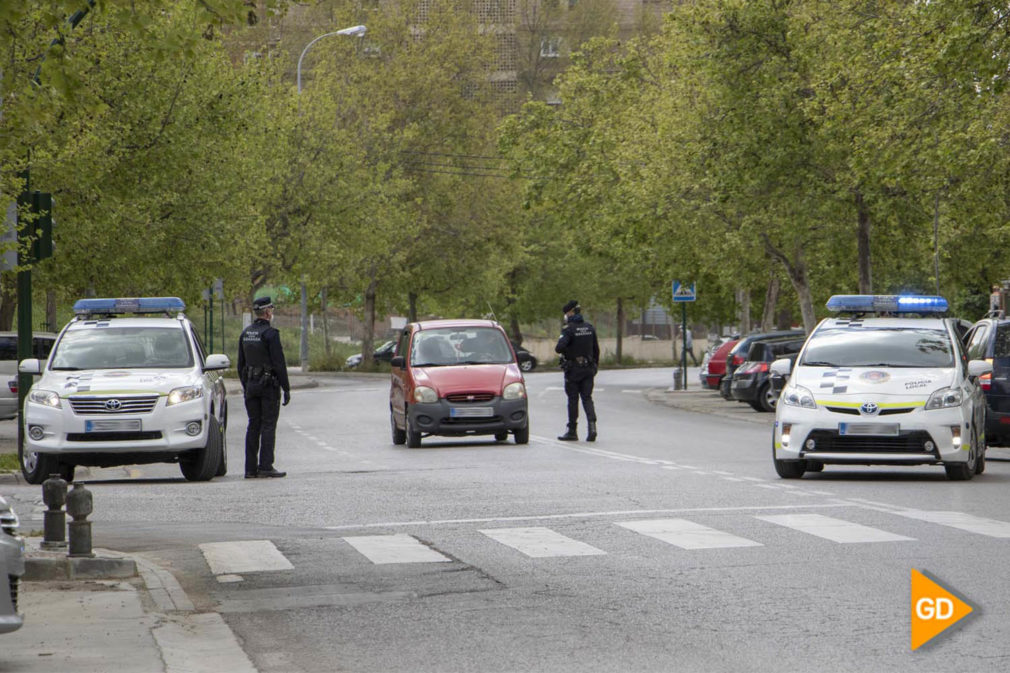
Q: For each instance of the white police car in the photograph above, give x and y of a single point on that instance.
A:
(127, 382)
(880, 386)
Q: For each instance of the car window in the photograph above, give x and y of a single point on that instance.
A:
(452, 346)
(41, 346)
(977, 341)
(199, 344)
(122, 348)
(879, 347)
(1001, 344)
(8, 348)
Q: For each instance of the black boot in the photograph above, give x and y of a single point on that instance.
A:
(591, 437)
(569, 435)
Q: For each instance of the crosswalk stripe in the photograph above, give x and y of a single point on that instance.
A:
(397, 548)
(960, 520)
(246, 556)
(687, 534)
(539, 542)
(832, 529)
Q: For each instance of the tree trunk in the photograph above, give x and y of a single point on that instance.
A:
(412, 307)
(8, 300)
(51, 311)
(771, 301)
(743, 298)
(863, 246)
(368, 340)
(326, 323)
(620, 329)
(517, 335)
(796, 270)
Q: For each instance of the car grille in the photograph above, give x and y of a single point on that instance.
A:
(483, 420)
(851, 411)
(15, 583)
(112, 436)
(107, 404)
(829, 441)
(466, 398)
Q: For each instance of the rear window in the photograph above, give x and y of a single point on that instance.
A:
(123, 348)
(1001, 344)
(879, 347)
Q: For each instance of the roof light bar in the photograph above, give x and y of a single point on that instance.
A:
(886, 303)
(86, 307)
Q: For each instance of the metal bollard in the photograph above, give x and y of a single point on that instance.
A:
(54, 528)
(678, 378)
(79, 506)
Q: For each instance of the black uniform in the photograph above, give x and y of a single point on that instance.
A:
(264, 375)
(581, 356)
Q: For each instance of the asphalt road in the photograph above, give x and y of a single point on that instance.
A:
(667, 545)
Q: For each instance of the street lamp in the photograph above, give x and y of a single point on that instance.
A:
(304, 350)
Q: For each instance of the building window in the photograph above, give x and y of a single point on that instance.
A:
(550, 47)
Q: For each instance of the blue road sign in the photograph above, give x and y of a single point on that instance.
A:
(682, 292)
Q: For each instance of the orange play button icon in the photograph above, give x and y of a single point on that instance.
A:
(934, 609)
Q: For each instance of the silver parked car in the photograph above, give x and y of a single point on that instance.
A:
(12, 567)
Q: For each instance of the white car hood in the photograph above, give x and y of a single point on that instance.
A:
(897, 383)
(116, 381)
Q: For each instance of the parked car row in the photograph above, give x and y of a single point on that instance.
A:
(738, 367)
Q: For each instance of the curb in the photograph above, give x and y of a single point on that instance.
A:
(708, 402)
(42, 565)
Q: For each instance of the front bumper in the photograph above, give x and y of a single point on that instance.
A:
(923, 437)
(745, 388)
(452, 419)
(163, 430)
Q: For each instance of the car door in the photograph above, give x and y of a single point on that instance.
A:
(398, 380)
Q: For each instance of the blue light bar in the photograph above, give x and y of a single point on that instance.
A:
(886, 303)
(120, 305)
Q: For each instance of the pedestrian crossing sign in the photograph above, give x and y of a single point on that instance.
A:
(683, 292)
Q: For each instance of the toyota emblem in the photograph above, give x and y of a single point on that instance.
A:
(113, 405)
(869, 408)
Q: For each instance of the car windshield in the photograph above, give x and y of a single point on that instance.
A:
(879, 347)
(454, 346)
(123, 348)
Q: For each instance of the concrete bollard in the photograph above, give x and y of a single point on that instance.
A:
(678, 378)
(54, 527)
(79, 506)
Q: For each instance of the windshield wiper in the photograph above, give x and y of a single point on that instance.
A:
(820, 364)
(66, 369)
(429, 364)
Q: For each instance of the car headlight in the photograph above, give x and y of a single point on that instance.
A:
(944, 398)
(184, 394)
(514, 391)
(46, 398)
(425, 395)
(798, 396)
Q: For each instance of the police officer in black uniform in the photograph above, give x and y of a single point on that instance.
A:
(264, 377)
(580, 356)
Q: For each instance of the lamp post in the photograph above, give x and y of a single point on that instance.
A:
(304, 350)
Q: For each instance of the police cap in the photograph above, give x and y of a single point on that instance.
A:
(570, 306)
(261, 303)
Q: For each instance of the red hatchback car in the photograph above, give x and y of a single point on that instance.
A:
(456, 378)
(716, 368)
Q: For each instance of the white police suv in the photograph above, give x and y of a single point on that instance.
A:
(127, 382)
(886, 383)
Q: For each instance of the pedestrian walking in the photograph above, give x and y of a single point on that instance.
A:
(995, 298)
(689, 347)
(264, 377)
(580, 358)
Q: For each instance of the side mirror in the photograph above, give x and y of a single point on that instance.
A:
(399, 362)
(976, 368)
(216, 361)
(782, 367)
(30, 366)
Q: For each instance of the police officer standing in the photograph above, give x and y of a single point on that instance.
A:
(580, 356)
(264, 376)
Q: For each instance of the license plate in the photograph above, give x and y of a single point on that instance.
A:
(875, 429)
(129, 425)
(471, 412)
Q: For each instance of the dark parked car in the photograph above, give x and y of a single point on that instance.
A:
(383, 353)
(738, 355)
(989, 339)
(527, 362)
(751, 382)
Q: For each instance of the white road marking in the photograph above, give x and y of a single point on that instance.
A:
(829, 528)
(230, 579)
(961, 521)
(737, 479)
(582, 515)
(541, 542)
(632, 392)
(687, 534)
(397, 548)
(247, 556)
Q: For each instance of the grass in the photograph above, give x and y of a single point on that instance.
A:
(9, 462)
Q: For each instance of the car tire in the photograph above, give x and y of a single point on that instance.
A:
(413, 436)
(501, 436)
(962, 471)
(527, 365)
(790, 469)
(756, 406)
(767, 398)
(725, 388)
(399, 436)
(980, 443)
(522, 435)
(201, 464)
(222, 468)
(37, 467)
